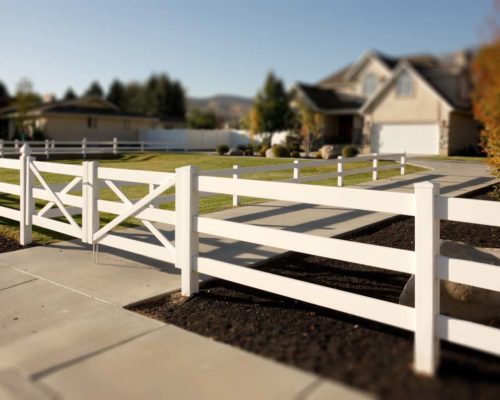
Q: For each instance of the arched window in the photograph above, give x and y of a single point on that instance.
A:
(369, 84)
(404, 85)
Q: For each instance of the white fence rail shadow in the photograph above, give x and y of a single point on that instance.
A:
(426, 205)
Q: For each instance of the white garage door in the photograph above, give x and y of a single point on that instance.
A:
(414, 138)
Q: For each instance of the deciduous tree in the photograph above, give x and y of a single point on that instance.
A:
(486, 99)
(202, 119)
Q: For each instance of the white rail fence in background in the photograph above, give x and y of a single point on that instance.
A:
(84, 147)
(425, 262)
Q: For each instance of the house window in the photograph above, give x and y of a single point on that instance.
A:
(92, 123)
(369, 84)
(404, 85)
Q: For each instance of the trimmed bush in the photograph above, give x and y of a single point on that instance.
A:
(242, 147)
(295, 154)
(349, 151)
(280, 151)
(248, 152)
(222, 149)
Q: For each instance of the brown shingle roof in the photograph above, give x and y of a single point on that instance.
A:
(329, 99)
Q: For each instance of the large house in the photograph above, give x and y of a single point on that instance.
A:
(89, 117)
(419, 104)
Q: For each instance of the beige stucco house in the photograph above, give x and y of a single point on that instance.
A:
(90, 117)
(418, 104)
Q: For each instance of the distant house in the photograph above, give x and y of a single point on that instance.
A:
(90, 117)
(419, 104)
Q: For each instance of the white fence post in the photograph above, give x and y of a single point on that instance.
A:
(340, 170)
(26, 202)
(375, 167)
(236, 201)
(84, 147)
(186, 236)
(115, 146)
(426, 278)
(16, 146)
(53, 145)
(296, 169)
(47, 148)
(403, 163)
(142, 145)
(1, 148)
(90, 194)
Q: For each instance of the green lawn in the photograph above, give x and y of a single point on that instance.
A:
(168, 163)
(454, 158)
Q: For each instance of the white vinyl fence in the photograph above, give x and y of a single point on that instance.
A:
(426, 205)
(48, 148)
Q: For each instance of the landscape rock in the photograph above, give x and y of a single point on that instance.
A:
(269, 153)
(327, 152)
(459, 300)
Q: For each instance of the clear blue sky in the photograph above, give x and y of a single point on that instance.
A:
(219, 46)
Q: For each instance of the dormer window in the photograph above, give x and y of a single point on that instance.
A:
(369, 84)
(404, 85)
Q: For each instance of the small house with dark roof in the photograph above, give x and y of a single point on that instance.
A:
(420, 104)
(89, 117)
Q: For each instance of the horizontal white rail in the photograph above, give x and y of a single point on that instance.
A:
(10, 213)
(362, 306)
(466, 210)
(372, 200)
(472, 273)
(470, 334)
(359, 253)
(131, 175)
(139, 247)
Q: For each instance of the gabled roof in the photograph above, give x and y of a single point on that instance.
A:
(403, 66)
(328, 100)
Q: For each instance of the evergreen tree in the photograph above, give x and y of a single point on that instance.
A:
(135, 98)
(178, 109)
(69, 95)
(272, 106)
(94, 90)
(4, 92)
(117, 94)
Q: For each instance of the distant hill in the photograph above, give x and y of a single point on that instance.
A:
(227, 107)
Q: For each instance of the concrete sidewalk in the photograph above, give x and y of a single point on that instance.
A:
(59, 344)
(64, 334)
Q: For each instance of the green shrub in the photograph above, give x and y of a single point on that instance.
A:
(280, 151)
(222, 149)
(295, 154)
(256, 147)
(349, 151)
(262, 151)
(318, 154)
(248, 152)
(242, 147)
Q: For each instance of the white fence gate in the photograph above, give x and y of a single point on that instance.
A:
(425, 262)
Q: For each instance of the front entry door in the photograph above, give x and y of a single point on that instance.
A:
(345, 128)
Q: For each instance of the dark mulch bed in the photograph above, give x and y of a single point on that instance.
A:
(361, 353)
(7, 244)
